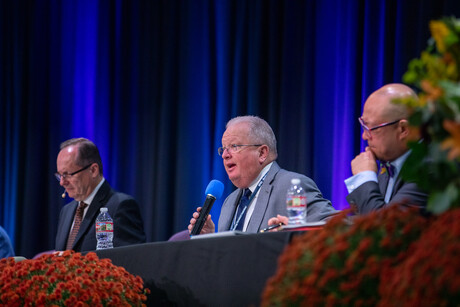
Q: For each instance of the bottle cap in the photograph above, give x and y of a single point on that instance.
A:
(103, 209)
(295, 181)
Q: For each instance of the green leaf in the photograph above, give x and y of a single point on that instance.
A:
(438, 202)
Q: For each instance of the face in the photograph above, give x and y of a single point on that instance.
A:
(386, 142)
(244, 166)
(80, 185)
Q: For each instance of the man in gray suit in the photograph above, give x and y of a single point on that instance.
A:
(249, 153)
(79, 171)
(387, 131)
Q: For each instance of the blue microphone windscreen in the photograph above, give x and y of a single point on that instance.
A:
(215, 188)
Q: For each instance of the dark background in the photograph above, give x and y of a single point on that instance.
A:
(153, 83)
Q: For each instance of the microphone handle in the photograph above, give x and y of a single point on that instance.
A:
(203, 215)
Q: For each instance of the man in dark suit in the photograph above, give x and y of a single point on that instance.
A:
(387, 131)
(249, 153)
(79, 171)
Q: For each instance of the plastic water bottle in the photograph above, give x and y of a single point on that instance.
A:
(296, 203)
(104, 230)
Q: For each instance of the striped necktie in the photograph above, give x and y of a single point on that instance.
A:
(76, 224)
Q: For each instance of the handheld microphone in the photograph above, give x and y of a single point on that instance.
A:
(213, 191)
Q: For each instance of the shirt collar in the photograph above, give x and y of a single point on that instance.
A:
(90, 198)
(265, 170)
(398, 163)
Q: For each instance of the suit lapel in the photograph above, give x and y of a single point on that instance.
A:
(383, 182)
(398, 183)
(100, 199)
(263, 199)
(68, 217)
(229, 211)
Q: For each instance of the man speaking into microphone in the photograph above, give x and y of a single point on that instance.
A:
(79, 171)
(249, 152)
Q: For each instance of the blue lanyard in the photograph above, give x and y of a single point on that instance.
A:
(234, 223)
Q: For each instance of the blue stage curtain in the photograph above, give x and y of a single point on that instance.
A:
(153, 83)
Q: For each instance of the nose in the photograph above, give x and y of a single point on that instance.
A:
(62, 182)
(225, 154)
(366, 135)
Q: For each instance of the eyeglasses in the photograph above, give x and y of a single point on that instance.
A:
(368, 130)
(233, 148)
(67, 176)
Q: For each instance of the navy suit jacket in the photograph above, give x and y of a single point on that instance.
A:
(370, 195)
(272, 201)
(127, 221)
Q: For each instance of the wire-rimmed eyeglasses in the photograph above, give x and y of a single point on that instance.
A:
(67, 176)
(369, 130)
(233, 148)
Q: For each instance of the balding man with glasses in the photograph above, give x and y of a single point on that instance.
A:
(79, 172)
(386, 129)
(248, 153)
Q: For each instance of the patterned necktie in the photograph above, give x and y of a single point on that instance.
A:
(76, 225)
(240, 214)
(390, 169)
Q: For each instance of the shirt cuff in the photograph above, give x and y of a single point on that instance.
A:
(355, 181)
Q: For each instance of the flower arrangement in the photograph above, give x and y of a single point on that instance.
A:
(68, 279)
(394, 257)
(429, 276)
(340, 265)
(437, 113)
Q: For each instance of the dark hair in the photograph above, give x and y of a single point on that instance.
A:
(87, 152)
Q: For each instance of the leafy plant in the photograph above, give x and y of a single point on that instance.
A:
(435, 162)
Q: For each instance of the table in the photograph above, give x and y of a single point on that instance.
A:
(216, 271)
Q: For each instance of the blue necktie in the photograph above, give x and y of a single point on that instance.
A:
(240, 215)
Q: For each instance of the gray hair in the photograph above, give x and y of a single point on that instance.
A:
(260, 131)
(87, 152)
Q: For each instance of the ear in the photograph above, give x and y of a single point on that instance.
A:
(405, 129)
(263, 153)
(94, 170)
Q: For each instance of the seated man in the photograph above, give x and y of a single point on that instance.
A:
(249, 153)
(79, 171)
(387, 131)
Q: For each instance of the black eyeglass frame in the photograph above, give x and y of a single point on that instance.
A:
(65, 176)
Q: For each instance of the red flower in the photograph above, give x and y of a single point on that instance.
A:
(341, 264)
(68, 279)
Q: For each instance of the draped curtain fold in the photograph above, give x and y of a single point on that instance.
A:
(153, 83)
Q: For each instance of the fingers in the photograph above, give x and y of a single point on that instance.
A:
(283, 219)
(273, 221)
(195, 216)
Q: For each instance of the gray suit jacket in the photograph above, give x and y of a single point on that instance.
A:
(127, 221)
(272, 201)
(370, 196)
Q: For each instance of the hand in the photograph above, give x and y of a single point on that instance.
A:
(365, 161)
(276, 220)
(208, 226)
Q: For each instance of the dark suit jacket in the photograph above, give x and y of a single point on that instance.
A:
(127, 221)
(371, 195)
(272, 201)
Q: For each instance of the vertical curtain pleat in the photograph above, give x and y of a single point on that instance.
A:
(153, 83)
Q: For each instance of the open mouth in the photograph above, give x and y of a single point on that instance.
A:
(230, 166)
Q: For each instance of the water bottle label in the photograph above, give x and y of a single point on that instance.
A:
(297, 201)
(104, 226)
